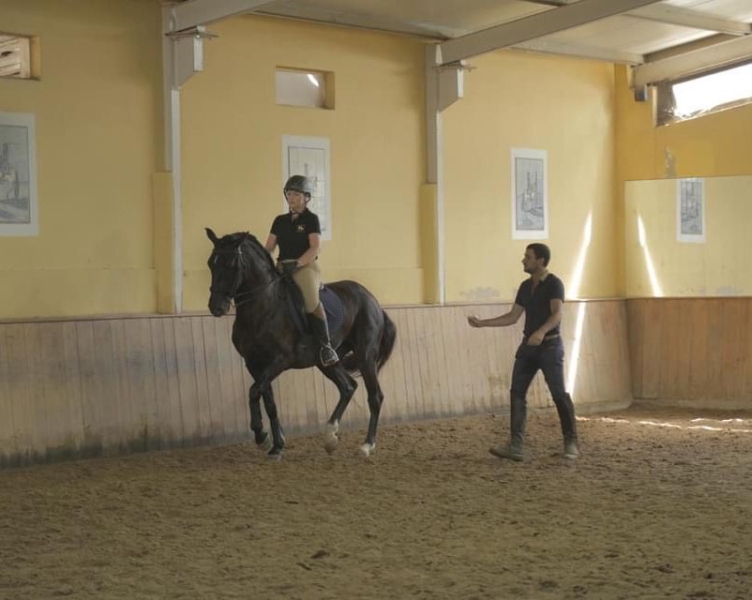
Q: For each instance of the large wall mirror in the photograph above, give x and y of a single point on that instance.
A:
(688, 237)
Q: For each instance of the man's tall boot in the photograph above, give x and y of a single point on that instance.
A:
(327, 355)
(518, 416)
(565, 408)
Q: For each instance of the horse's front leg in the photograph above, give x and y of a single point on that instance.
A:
(263, 440)
(262, 387)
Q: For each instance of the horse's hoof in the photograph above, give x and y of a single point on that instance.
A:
(331, 443)
(367, 449)
(274, 455)
(266, 443)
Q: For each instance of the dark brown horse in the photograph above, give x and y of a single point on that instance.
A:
(266, 336)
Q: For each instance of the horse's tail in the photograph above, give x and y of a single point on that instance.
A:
(386, 345)
(388, 337)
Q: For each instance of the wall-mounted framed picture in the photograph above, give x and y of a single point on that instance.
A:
(690, 210)
(310, 156)
(529, 194)
(19, 209)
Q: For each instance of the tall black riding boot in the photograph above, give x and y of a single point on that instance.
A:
(327, 355)
(565, 408)
(518, 416)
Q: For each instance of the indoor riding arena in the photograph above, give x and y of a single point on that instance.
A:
(441, 139)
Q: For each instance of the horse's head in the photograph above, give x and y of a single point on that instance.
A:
(237, 260)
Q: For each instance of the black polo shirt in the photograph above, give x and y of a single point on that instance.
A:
(292, 236)
(537, 304)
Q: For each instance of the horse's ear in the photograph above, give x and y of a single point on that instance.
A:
(212, 236)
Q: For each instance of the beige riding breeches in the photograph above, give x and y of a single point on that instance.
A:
(308, 279)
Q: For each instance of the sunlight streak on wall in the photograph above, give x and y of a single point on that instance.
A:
(579, 269)
(575, 293)
(654, 283)
(574, 359)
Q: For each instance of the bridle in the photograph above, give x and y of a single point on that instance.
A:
(239, 263)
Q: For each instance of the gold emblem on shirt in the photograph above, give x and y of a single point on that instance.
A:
(301, 228)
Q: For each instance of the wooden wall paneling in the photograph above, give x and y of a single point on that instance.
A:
(56, 387)
(71, 388)
(410, 365)
(41, 433)
(652, 350)
(735, 329)
(497, 367)
(203, 404)
(9, 381)
(167, 435)
(142, 397)
(398, 401)
(98, 405)
(747, 393)
(126, 426)
(698, 357)
(434, 321)
(466, 337)
(591, 363)
(398, 367)
(187, 379)
(716, 339)
(220, 424)
(179, 420)
(635, 343)
(29, 439)
(671, 323)
(455, 330)
(622, 359)
(425, 381)
(230, 393)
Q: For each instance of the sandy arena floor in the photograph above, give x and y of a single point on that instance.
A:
(649, 511)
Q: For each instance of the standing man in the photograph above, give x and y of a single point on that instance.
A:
(541, 298)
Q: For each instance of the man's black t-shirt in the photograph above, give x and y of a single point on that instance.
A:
(537, 303)
(292, 236)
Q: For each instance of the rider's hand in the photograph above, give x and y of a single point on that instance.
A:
(288, 267)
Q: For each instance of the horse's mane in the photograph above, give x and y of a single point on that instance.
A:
(249, 243)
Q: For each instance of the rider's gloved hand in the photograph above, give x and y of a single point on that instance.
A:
(287, 267)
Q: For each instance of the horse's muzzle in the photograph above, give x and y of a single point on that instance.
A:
(219, 308)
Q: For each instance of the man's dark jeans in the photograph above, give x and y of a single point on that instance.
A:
(549, 358)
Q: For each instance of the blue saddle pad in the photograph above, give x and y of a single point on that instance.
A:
(335, 312)
(333, 308)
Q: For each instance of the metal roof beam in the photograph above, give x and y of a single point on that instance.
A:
(200, 12)
(535, 26)
(693, 62)
(675, 15)
(586, 52)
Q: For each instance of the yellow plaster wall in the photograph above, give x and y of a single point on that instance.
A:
(659, 265)
(232, 148)
(715, 145)
(98, 138)
(515, 99)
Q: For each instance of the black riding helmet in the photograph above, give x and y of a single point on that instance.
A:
(299, 183)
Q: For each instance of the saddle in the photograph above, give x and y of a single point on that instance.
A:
(335, 313)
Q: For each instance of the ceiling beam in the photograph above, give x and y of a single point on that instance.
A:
(535, 26)
(691, 63)
(675, 15)
(200, 12)
(586, 52)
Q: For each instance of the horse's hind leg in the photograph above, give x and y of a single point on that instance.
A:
(346, 386)
(375, 398)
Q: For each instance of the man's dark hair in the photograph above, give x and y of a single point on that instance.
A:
(541, 251)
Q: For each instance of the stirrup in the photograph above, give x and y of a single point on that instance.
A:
(328, 356)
